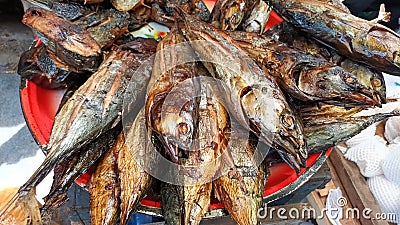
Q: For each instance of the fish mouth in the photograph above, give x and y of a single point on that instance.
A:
(295, 147)
(172, 149)
(173, 146)
(371, 99)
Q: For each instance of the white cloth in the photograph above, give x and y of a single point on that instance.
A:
(368, 155)
(387, 195)
(391, 167)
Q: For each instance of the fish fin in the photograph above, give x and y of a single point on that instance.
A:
(31, 206)
(23, 201)
(383, 16)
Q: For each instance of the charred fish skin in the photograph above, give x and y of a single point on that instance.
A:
(105, 187)
(361, 40)
(170, 103)
(230, 14)
(37, 66)
(304, 76)
(258, 18)
(368, 77)
(104, 25)
(70, 11)
(93, 109)
(250, 84)
(69, 169)
(323, 136)
(67, 41)
(242, 195)
(133, 158)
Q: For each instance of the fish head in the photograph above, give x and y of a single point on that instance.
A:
(32, 14)
(290, 138)
(176, 128)
(369, 78)
(337, 86)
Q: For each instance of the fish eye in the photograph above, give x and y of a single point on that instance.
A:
(183, 128)
(287, 121)
(35, 13)
(236, 18)
(348, 79)
(376, 82)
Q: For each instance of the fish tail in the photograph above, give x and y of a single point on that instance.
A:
(23, 201)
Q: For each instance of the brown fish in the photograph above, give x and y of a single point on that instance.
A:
(104, 25)
(258, 18)
(69, 169)
(242, 194)
(66, 40)
(105, 187)
(94, 108)
(364, 41)
(249, 92)
(37, 66)
(370, 78)
(186, 188)
(230, 14)
(304, 76)
(170, 104)
(134, 155)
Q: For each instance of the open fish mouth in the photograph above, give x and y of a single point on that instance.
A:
(174, 147)
(372, 99)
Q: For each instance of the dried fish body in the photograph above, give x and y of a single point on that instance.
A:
(171, 106)
(318, 113)
(184, 204)
(171, 203)
(93, 109)
(69, 169)
(326, 135)
(69, 10)
(105, 187)
(251, 93)
(133, 157)
(104, 25)
(230, 14)
(36, 65)
(366, 76)
(68, 42)
(304, 76)
(242, 191)
(205, 160)
(359, 39)
(258, 18)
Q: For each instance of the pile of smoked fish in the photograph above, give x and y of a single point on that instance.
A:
(218, 98)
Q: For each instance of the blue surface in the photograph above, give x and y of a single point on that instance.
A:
(139, 219)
